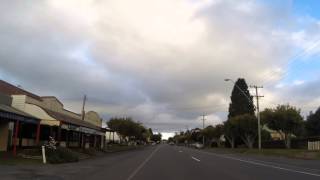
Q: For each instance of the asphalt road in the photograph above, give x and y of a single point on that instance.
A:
(164, 162)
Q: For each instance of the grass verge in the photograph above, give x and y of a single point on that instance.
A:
(288, 153)
(6, 158)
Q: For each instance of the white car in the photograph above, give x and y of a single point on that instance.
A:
(197, 145)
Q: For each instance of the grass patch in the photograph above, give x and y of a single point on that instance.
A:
(288, 153)
(6, 158)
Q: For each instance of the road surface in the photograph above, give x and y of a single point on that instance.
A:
(165, 162)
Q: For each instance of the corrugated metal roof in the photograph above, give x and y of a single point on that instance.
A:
(70, 120)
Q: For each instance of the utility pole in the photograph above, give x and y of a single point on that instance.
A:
(83, 105)
(258, 112)
(203, 119)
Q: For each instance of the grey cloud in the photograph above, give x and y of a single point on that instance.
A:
(164, 76)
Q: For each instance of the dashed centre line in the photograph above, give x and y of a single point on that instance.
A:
(198, 160)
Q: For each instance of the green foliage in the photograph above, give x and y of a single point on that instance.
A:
(265, 135)
(60, 155)
(126, 127)
(246, 127)
(284, 119)
(213, 133)
(209, 132)
(240, 104)
(313, 124)
(230, 132)
(156, 137)
(170, 139)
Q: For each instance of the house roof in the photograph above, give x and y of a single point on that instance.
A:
(9, 89)
(70, 120)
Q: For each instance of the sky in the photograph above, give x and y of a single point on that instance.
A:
(162, 62)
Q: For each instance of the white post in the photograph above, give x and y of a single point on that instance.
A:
(44, 155)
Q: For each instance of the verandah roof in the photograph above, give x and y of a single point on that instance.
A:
(10, 113)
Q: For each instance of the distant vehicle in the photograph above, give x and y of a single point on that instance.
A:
(154, 144)
(197, 145)
(171, 143)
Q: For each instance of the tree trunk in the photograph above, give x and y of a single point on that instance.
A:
(218, 143)
(248, 140)
(231, 141)
(287, 141)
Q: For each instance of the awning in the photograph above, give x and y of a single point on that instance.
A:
(13, 114)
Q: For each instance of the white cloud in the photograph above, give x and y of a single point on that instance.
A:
(298, 82)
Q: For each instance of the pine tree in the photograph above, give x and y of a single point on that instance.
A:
(240, 104)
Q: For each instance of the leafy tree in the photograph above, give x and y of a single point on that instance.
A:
(170, 139)
(150, 132)
(218, 132)
(214, 133)
(127, 128)
(240, 104)
(208, 133)
(230, 132)
(265, 135)
(284, 119)
(313, 124)
(246, 125)
(156, 137)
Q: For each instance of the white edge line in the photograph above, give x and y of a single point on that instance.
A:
(142, 164)
(261, 164)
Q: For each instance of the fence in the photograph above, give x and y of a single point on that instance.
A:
(310, 143)
(315, 145)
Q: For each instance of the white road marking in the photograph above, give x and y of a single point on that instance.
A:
(287, 165)
(262, 164)
(143, 163)
(195, 159)
(180, 151)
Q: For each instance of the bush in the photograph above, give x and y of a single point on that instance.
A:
(60, 155)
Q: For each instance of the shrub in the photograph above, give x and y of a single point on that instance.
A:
(60, 155)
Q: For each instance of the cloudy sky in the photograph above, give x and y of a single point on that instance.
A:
(162, 61)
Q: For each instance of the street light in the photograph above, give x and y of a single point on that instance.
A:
(258, 113)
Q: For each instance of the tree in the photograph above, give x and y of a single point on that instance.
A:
(218, 132)
(156, 137)
(208, 133)
(313, 124)
(284, 119)
(214, 133)
(240, 104)
(230, 132)
(127, 128)
(246, 127)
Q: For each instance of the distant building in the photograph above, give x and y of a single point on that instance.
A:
(67, 127)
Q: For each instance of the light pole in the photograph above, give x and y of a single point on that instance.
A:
(256, 107)
(203, 119)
